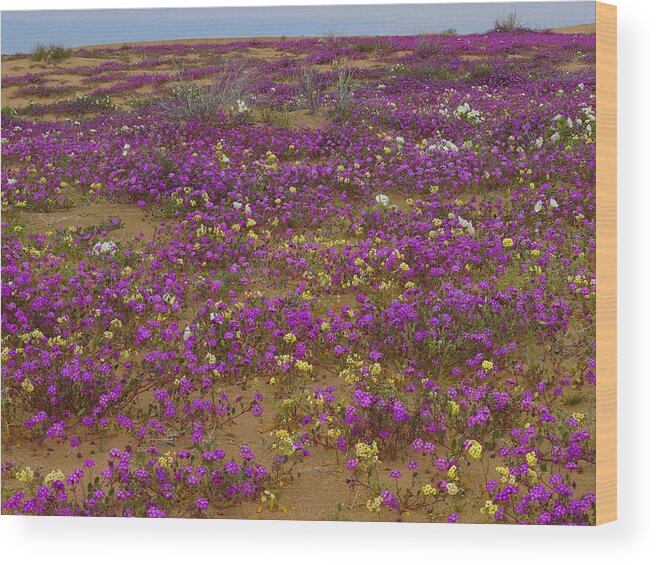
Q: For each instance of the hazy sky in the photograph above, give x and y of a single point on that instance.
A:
(21, 30)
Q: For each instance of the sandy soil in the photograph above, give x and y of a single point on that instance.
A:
(581, 28)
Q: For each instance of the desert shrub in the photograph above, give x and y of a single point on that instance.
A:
(52, 53)
(188, 101)
(371, 46)
(345, 86)
(332, 39)
(234, 84)
(508, 22)
(426, 46)
(307, 87)
(39, 53)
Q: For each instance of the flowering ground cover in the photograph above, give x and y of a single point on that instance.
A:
(335, 278)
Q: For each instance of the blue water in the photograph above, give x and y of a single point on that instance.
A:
(21, 30)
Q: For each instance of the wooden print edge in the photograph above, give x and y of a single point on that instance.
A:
(606, 264)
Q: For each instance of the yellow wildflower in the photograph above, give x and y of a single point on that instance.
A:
(475, 449)
(455, 407)
(54, 475)
(373, 505)
(428, 490)
(452, 489)
(489, 507)
(531, 458)
(25, 475)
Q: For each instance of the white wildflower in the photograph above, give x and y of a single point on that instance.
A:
(241, 106)
(466, 224)
(105, 248)
(382, 199)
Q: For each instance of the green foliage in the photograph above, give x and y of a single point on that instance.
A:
(9, 112)
(90, 103)
(137, 103)
(573, 399)
(371, 46)
(481, 71)
(430, 71)
(52, 53)
(274, 116)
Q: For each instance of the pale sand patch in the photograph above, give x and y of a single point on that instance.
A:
(581, 28)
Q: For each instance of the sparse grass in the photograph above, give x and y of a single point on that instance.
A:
(137, 103)
(481, 71)
(52, 53)
(430, 71)
(274, 117)
(338, 514)
(574, 399)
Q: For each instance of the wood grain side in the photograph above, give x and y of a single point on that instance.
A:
(606, 263)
